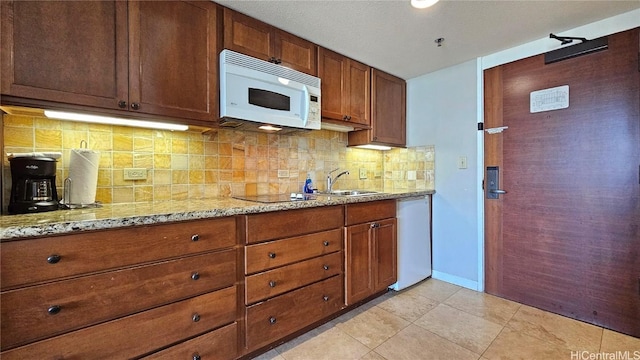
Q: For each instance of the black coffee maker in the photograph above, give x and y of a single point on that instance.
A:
(33, 185)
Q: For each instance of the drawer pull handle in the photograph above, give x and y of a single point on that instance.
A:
(54, 309)
(325, 243)
(195, 318)
(54, 259)
(272, 320)
(195, 276)
(326, 267)
(272, 283)
(325, 298)
(195, 237)
(196, 357)
(375, 225)
(272, 255)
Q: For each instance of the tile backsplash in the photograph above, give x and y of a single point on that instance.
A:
(193, 165)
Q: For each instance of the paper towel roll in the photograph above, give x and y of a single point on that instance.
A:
(83, 172)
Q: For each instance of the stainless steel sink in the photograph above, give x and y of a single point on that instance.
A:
(352, 192)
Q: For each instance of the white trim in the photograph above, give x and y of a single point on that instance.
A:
(456, 280)
(480, 174)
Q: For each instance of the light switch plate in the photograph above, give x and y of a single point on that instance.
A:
(363, 173)
(462, 162)
(411, 175)
(283, 173)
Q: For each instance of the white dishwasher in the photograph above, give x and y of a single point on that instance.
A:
(414, 241)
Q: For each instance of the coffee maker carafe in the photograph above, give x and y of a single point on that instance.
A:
(33, 185)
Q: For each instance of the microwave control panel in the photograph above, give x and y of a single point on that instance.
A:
(314, 112)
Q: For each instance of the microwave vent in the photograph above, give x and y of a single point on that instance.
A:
(233, 58)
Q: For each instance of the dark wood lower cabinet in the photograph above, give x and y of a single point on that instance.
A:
(283, 315)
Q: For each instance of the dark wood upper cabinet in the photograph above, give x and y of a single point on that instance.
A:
(255, 38)
(388, 108)
(345, 88)
(157, 58)
(173, 65)
(72, 52)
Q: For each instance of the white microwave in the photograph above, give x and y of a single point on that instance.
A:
(256, 93)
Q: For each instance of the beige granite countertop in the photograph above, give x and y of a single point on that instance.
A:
(111, 216)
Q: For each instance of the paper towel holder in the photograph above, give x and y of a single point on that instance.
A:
(66, 198)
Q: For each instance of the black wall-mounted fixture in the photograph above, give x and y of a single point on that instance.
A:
(583, 48)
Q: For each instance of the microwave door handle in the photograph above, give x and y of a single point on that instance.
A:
(305, 110)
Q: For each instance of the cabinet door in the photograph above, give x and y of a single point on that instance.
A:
(247, 35)
(388, 96)
(358, 88)
(358, 263)
(173, 59)
(295, 52)
(72, 52)
(386, 267)
(331, 70)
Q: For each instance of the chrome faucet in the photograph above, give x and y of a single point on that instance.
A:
(330, 182)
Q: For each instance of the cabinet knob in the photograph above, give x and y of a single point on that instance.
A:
(122, 104)
(195, 317)
(53, 259)
(195, 276)
(272, 283)
(196, 357)
(325, 298)
(325, 243)
(349, 117)
(375, 138)
(135, 106)
(272, 320)
(54, 309)
(345, 118)
(326, 267)
(272, 255)
(195, 237)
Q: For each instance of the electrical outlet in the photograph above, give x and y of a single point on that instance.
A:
(411, 175)
(363, 173)
(283, 173)
(135, 174)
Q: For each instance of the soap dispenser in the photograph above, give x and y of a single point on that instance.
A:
(308, 185)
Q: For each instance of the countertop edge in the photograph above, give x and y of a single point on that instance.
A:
(242, 207)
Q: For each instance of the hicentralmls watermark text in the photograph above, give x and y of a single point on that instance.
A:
(616, 355)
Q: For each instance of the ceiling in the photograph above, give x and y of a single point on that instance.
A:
(394, 37)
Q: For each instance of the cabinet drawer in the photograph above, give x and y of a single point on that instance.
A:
(221, 344)
(284, 224)
(274, 282)
(36, 260)
(370, 211)
(28, 314)
(272, 254)
(285, 314)
(137, 334)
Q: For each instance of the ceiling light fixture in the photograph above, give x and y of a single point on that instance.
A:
(61, 115)
(422, 4)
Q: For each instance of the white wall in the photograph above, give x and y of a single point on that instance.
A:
(443, 108)
(442, 111)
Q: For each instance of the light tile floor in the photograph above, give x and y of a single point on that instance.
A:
(438, 320)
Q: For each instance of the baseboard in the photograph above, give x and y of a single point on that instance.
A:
(456, 280)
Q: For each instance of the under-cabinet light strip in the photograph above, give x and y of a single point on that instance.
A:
(61, 115)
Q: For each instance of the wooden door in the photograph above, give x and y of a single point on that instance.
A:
(247, 35)
(72, 52)
(332, 68)
(358, 263)
(386, 254)
(296, 53)
(173, 66)
(566, 235)
(358, 88)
